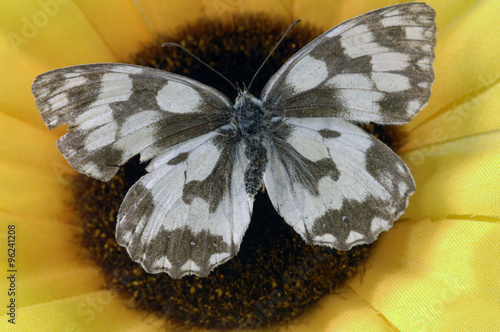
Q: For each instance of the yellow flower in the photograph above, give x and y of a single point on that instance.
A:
(437, 269)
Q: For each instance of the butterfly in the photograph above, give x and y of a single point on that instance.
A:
(334, 183)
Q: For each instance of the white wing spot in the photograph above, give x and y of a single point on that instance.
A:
(401, 168)
(413, 106)
(347, 183)
(190, 265)
(361, 100)
(92, 169)
(162, 263)
(216, 258)
(178, 98)
(126, 69)
(360, 31)
(201, 162)
(389, 82)
(415, 33)
(379, 224)
(101, 137)
(391, 21)
(427, 48)
(138, 121)
(73, 75)
(354, 237)
(74, 80)
(360, 41)
(403, 188)
(390, 61)
(58, 101)
(425, 63)
(308, 73)
(94, 117)
(114, 87)
(306, 143)
(351, 81)
(325, 238)
(423, 85)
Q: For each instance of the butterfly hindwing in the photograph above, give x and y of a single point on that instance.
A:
(376, 67)
(117, 111)
(335, 184)
(190, 212)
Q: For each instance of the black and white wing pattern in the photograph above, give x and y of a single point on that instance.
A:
(190, 212)
(376, 67)
(335, 184)
(332, 182)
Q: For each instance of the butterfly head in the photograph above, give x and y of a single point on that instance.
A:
(246, 98)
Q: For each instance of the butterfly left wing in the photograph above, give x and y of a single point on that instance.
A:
(376, 67)
(117, 111)
(190, 212)
(335, 184)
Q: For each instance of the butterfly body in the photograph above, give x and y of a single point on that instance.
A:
(335, 184)
(253, 123)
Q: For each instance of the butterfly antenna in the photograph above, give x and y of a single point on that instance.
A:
(200, 61)
(275, 46)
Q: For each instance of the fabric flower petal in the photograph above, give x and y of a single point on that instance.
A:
(343, 311)
(436, 270)
(165, 16)
(28, 163)
(466, 63)
(459, 177)
(429, 275)
(120, 24)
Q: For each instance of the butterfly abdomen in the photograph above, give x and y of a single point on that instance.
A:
(252, 126)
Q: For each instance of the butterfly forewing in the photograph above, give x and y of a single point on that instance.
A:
(333, 183)
(118, 111)
(376, 67)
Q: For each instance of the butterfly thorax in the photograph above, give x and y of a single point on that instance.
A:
(250, 119)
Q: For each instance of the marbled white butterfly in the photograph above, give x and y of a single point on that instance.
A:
(335, 184)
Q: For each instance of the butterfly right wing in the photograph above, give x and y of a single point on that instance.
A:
(334, 183)
(376, 67)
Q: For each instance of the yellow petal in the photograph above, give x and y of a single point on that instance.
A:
(330, 12)
(35, 39)
(438, 275)
(467, 60)
(121, 25)
(96, 311)
(31, 168)
(343, 311)
(166, 16)
(271, 7)
(456, 178)
(476, 115)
